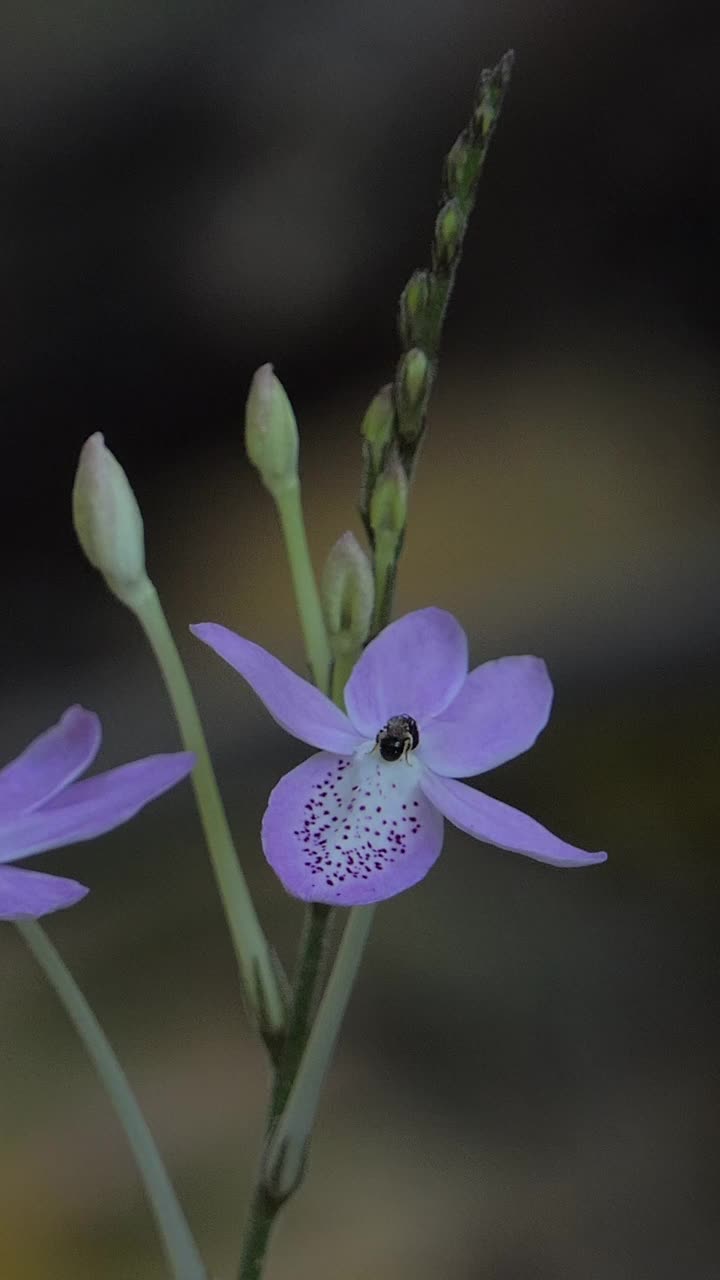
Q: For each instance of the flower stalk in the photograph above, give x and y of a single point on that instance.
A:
(292, 523)
(180, 1248)
(258, 966)
(271, 441)
(392, 432)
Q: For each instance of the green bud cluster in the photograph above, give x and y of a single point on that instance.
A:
(394, 424)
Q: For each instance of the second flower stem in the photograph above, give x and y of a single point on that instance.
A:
(289, 506)
(180, 1248)
(257, 964)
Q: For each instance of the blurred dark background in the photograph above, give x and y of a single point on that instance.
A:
(527, 1086)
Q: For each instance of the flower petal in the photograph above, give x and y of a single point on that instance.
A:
(29, 894)
(50, 762)
(350, 831)
(296, 705)
(95, 805)
(414, 667)
(496, 823)
(498, 713)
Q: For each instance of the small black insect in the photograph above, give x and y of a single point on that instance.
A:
(398, 738)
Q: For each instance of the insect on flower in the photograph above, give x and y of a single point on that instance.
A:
(349, 826)
(398, 738)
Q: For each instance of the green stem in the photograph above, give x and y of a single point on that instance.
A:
(256, 961)
(289, 506)
(289, 1133)
(387, 554)
(180, 1248)
(342, 668)
(263, 1212)
(287, 1147)
(313, 950)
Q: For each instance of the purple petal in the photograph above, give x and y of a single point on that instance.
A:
(498, 824)
(95, 805)
(297, 706)
(50, 762)
(29, 894)
(414, 667)
(499, 712)
(350, 831)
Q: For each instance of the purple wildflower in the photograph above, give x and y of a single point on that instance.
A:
(43, 807)
(363, 819)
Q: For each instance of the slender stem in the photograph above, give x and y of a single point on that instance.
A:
(342, 668)
(313, 949)
(311, 969)
(256, 961)
(387, 552)
(289, 505)
(180, 1248)
(287, 1147)
(284, 1159)
(263, 1212)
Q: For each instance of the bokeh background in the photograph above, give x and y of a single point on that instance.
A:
(526, 1088)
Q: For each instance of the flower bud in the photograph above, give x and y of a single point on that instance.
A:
(413, 308)
(461, 166)
(378, 426)
(388, 503)
(449, 231)
(411, 389)
(271, 435)
(108, 522)
(348, 595)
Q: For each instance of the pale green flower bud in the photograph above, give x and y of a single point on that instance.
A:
(412, 387)
(108, 522)
(348, 595)
(414, 309)
(271, 434)
(378, 425)
(449, 231)
(388, 504)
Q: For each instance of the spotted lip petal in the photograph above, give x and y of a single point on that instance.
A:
(50, 763)
(497, 823)
(350, 832)
(296, 705)
(498, 713)
(92, 806)
(414, 667)
(26, 895)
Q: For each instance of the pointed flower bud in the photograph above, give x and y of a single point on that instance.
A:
(378, 425)
(388, 504)
(271, 435)
(449, 231)
(411, 388)
(108, 522)
(461, 166)
(413, 311)
(348, 595)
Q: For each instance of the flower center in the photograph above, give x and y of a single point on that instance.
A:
(398, 738)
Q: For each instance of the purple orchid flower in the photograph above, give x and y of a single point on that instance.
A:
(43, 807)
(363, 819)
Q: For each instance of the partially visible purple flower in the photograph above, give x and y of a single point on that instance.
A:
(43, 807)
(363, 819)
